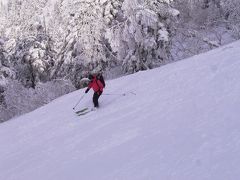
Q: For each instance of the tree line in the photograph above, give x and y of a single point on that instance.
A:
(46, 45)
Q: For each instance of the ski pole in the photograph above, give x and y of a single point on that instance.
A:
(108, 94)
(116, 94)
(79, 101)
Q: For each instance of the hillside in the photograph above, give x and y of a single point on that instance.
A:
(182, 124)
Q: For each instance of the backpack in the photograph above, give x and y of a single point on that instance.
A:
(100, 77)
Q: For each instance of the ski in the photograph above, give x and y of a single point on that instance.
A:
(81, 111)
(85, 112)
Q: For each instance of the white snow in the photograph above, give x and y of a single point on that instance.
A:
(3, 2)
(182, 124)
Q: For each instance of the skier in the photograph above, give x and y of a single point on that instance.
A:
(97, 83)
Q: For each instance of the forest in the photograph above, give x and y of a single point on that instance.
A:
(48, 46)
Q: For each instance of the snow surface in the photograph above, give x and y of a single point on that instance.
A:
(3, 1)
(182, 124)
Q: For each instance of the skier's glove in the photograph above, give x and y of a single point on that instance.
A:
(87, 90)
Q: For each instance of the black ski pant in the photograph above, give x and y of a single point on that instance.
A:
(96, 96)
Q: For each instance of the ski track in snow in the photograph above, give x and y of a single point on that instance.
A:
(183, 123)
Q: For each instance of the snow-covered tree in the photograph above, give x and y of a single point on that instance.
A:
(2, 18)
(19, 100)
(6, 71)
(112, 11)
(202, 26)
(142, 37)
(83, 48)
(33, 59)
(25, 18)
(231, 12)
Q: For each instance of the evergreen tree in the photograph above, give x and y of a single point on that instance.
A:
(33, 59)
(83, 48)
(142, 37)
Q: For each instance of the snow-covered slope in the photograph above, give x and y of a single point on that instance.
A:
(182, 124)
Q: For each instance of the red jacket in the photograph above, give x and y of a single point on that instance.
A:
(96, 85)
